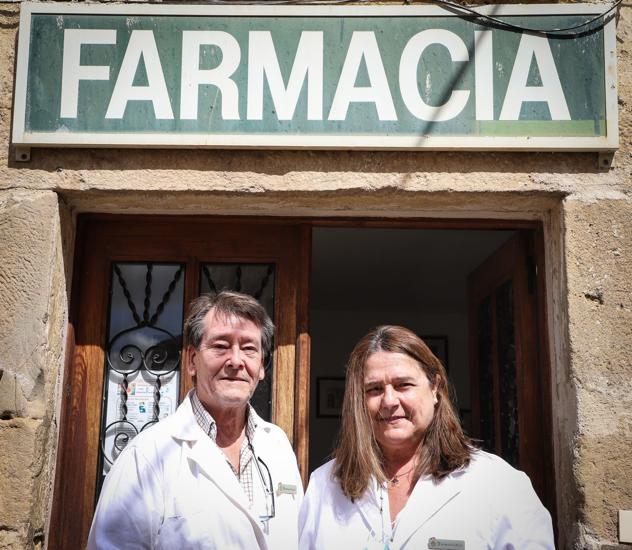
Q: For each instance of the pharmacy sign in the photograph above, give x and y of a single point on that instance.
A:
(363, 77)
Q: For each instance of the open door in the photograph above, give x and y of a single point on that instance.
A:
(510, 395)
(133, 280)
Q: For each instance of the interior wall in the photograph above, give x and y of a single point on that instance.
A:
(362, 278)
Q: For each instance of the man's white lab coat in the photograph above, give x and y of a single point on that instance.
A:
(173, 489)
(488, 505)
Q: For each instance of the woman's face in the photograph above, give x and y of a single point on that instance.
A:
(400, 400)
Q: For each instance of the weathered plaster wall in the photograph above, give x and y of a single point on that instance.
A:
(587, 213)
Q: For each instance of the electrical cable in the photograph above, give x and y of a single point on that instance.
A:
(560, 32)
(465, 11)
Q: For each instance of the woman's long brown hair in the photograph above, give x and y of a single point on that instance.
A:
(444, 447)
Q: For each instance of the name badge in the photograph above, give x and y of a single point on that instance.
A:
(445, 544)
(286, 489)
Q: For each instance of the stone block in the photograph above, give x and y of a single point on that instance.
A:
(29, 225)
(18, 470)
(12, 540)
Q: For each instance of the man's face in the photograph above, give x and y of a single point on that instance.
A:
(229, 363)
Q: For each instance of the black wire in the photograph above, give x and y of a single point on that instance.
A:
(510, 26)
(462, 10)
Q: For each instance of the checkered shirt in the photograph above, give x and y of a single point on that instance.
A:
(209, 426)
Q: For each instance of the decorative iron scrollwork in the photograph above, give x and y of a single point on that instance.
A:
(144, 347)
(123, 431)
(144, 353)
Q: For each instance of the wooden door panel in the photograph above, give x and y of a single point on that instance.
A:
(508, 276)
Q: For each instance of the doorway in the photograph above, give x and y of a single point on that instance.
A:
(326, 283)
(472, 295)
(364, 277)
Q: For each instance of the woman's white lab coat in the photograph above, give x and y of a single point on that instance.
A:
(488, 505)
(173, 489)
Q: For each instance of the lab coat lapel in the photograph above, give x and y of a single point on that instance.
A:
(261, 446)
(208, 458)
(212, 463)
(369, 507)
(268, 453)
(426, 500)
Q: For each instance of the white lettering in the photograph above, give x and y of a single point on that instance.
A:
(193, 76)
(551, 90)
(408, 75)
(484, 75)
(308, 63)
(363, 45)
(72, 69)
(141, 44)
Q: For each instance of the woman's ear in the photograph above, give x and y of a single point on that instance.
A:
(435, 389)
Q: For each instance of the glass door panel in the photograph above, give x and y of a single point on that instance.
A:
(507, 384)
(142, 354)
(497, 393)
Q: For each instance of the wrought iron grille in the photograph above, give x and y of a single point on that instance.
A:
(142, 370)
(258, 281)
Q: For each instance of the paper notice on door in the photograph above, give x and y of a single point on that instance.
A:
(130, 410)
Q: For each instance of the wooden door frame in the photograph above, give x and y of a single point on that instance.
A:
(74, 362)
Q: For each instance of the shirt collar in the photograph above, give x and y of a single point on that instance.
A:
(206, 421)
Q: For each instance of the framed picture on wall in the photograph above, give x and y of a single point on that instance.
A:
(439, 346)
(329, 394)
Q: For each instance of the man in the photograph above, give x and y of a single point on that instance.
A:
(214, 474)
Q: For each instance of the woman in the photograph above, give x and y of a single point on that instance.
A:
(404, 474)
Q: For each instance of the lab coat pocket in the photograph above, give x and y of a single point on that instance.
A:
(186, 530)
(186, 519)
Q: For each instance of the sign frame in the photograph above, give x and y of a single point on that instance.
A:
(25, 139)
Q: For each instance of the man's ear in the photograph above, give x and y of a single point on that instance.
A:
(191, 358)
(262, 369)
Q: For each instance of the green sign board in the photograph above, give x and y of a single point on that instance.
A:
(372, 77)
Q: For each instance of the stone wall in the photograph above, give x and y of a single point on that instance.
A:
(33, 306)
(587, 214)
(599, 265)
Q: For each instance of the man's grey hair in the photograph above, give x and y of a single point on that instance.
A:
(229, 304)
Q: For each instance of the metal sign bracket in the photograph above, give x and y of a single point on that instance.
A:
(22, 154)
(605, 160)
